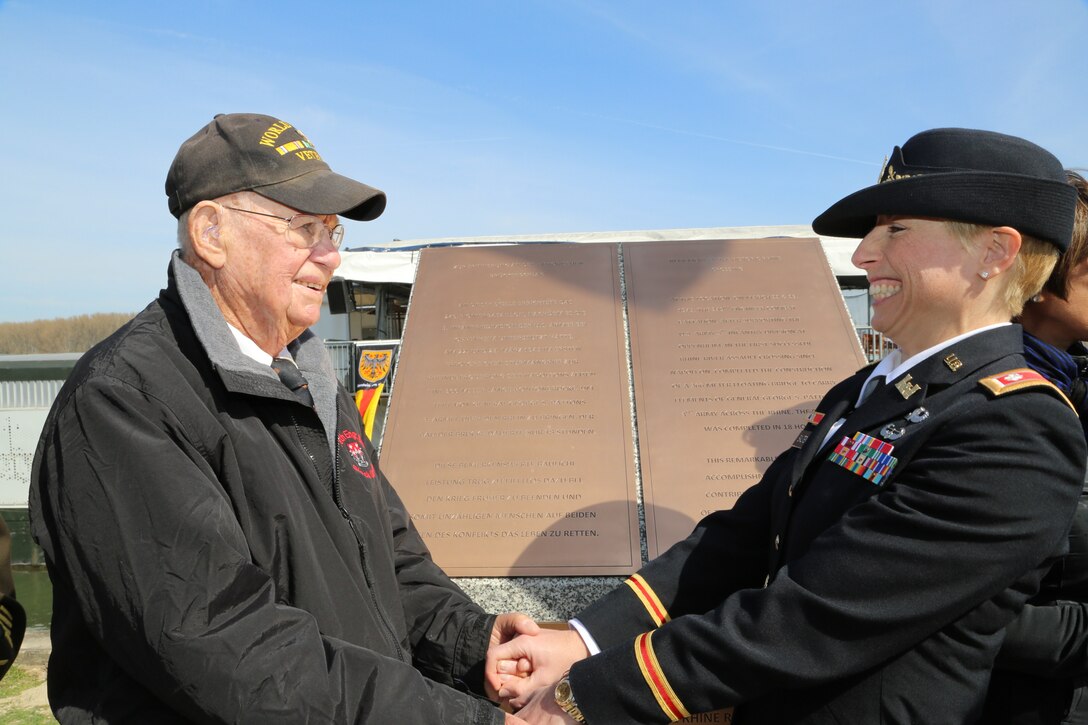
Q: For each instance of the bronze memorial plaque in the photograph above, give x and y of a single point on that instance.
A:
(733, 343)
(509, 435)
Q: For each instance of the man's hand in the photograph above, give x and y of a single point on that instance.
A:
(510, 625)
(542, 709)
(517, 668)
(507, 627)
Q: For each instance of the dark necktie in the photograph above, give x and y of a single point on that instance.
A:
(870, 388)
(292, 378)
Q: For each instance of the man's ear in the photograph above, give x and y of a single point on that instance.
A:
(204, 234)
(1000, 249)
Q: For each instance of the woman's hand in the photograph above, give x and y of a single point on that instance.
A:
(519, 667)
(507, 627)
(543, 710)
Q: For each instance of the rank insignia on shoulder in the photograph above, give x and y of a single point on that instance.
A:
(1018, 379)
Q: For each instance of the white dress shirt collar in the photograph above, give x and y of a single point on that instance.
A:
(251, 350)
(893, 365)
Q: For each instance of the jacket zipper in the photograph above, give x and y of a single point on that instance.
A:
(389, 633)
(338, 500)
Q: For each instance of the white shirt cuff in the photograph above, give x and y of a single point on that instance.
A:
(591, 644)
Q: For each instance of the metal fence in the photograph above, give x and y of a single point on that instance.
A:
(873, 343)
(22, 394)
(343, 361)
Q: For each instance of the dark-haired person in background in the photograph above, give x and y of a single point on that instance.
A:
(868, 577)
(222, 545)
(1041, 676)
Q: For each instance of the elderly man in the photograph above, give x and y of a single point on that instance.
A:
(222, 545)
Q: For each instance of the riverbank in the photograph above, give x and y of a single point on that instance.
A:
(23, 699)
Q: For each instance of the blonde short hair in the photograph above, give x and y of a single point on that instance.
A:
(1029, 271)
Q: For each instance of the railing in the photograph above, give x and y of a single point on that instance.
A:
(874, 344)
(342, 354)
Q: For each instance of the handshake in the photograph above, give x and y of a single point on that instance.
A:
(524, 664)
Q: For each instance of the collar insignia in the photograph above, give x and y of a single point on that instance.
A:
(907, 387)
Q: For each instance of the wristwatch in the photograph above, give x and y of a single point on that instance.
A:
(564, 698)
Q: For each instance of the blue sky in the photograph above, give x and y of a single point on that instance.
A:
(499, 117)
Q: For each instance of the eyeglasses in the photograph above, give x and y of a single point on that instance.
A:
(304, 231)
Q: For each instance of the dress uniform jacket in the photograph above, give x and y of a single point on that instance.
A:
(865, 581)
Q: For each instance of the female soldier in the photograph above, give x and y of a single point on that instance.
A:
(868, 576)
(1042, 670)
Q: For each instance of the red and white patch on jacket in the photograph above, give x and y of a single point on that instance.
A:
(353, 443)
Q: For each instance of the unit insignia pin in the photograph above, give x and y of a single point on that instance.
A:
(907, 387)
(892, 432)
(953, 362)
(918, 415)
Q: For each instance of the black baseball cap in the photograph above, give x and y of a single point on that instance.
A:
(964, 175)
(253, 152)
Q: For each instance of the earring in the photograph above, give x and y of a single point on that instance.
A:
(984, 274)
(1037, 299)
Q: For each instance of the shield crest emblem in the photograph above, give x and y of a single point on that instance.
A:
(374, 364)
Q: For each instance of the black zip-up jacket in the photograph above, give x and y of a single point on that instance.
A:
(207, 567)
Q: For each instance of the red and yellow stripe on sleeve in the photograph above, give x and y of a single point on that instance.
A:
(649, 599)
(656, 680)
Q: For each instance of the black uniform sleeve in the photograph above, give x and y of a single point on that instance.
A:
(167, 587)
(1048, 640)
(959, 526)
(732, 544)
